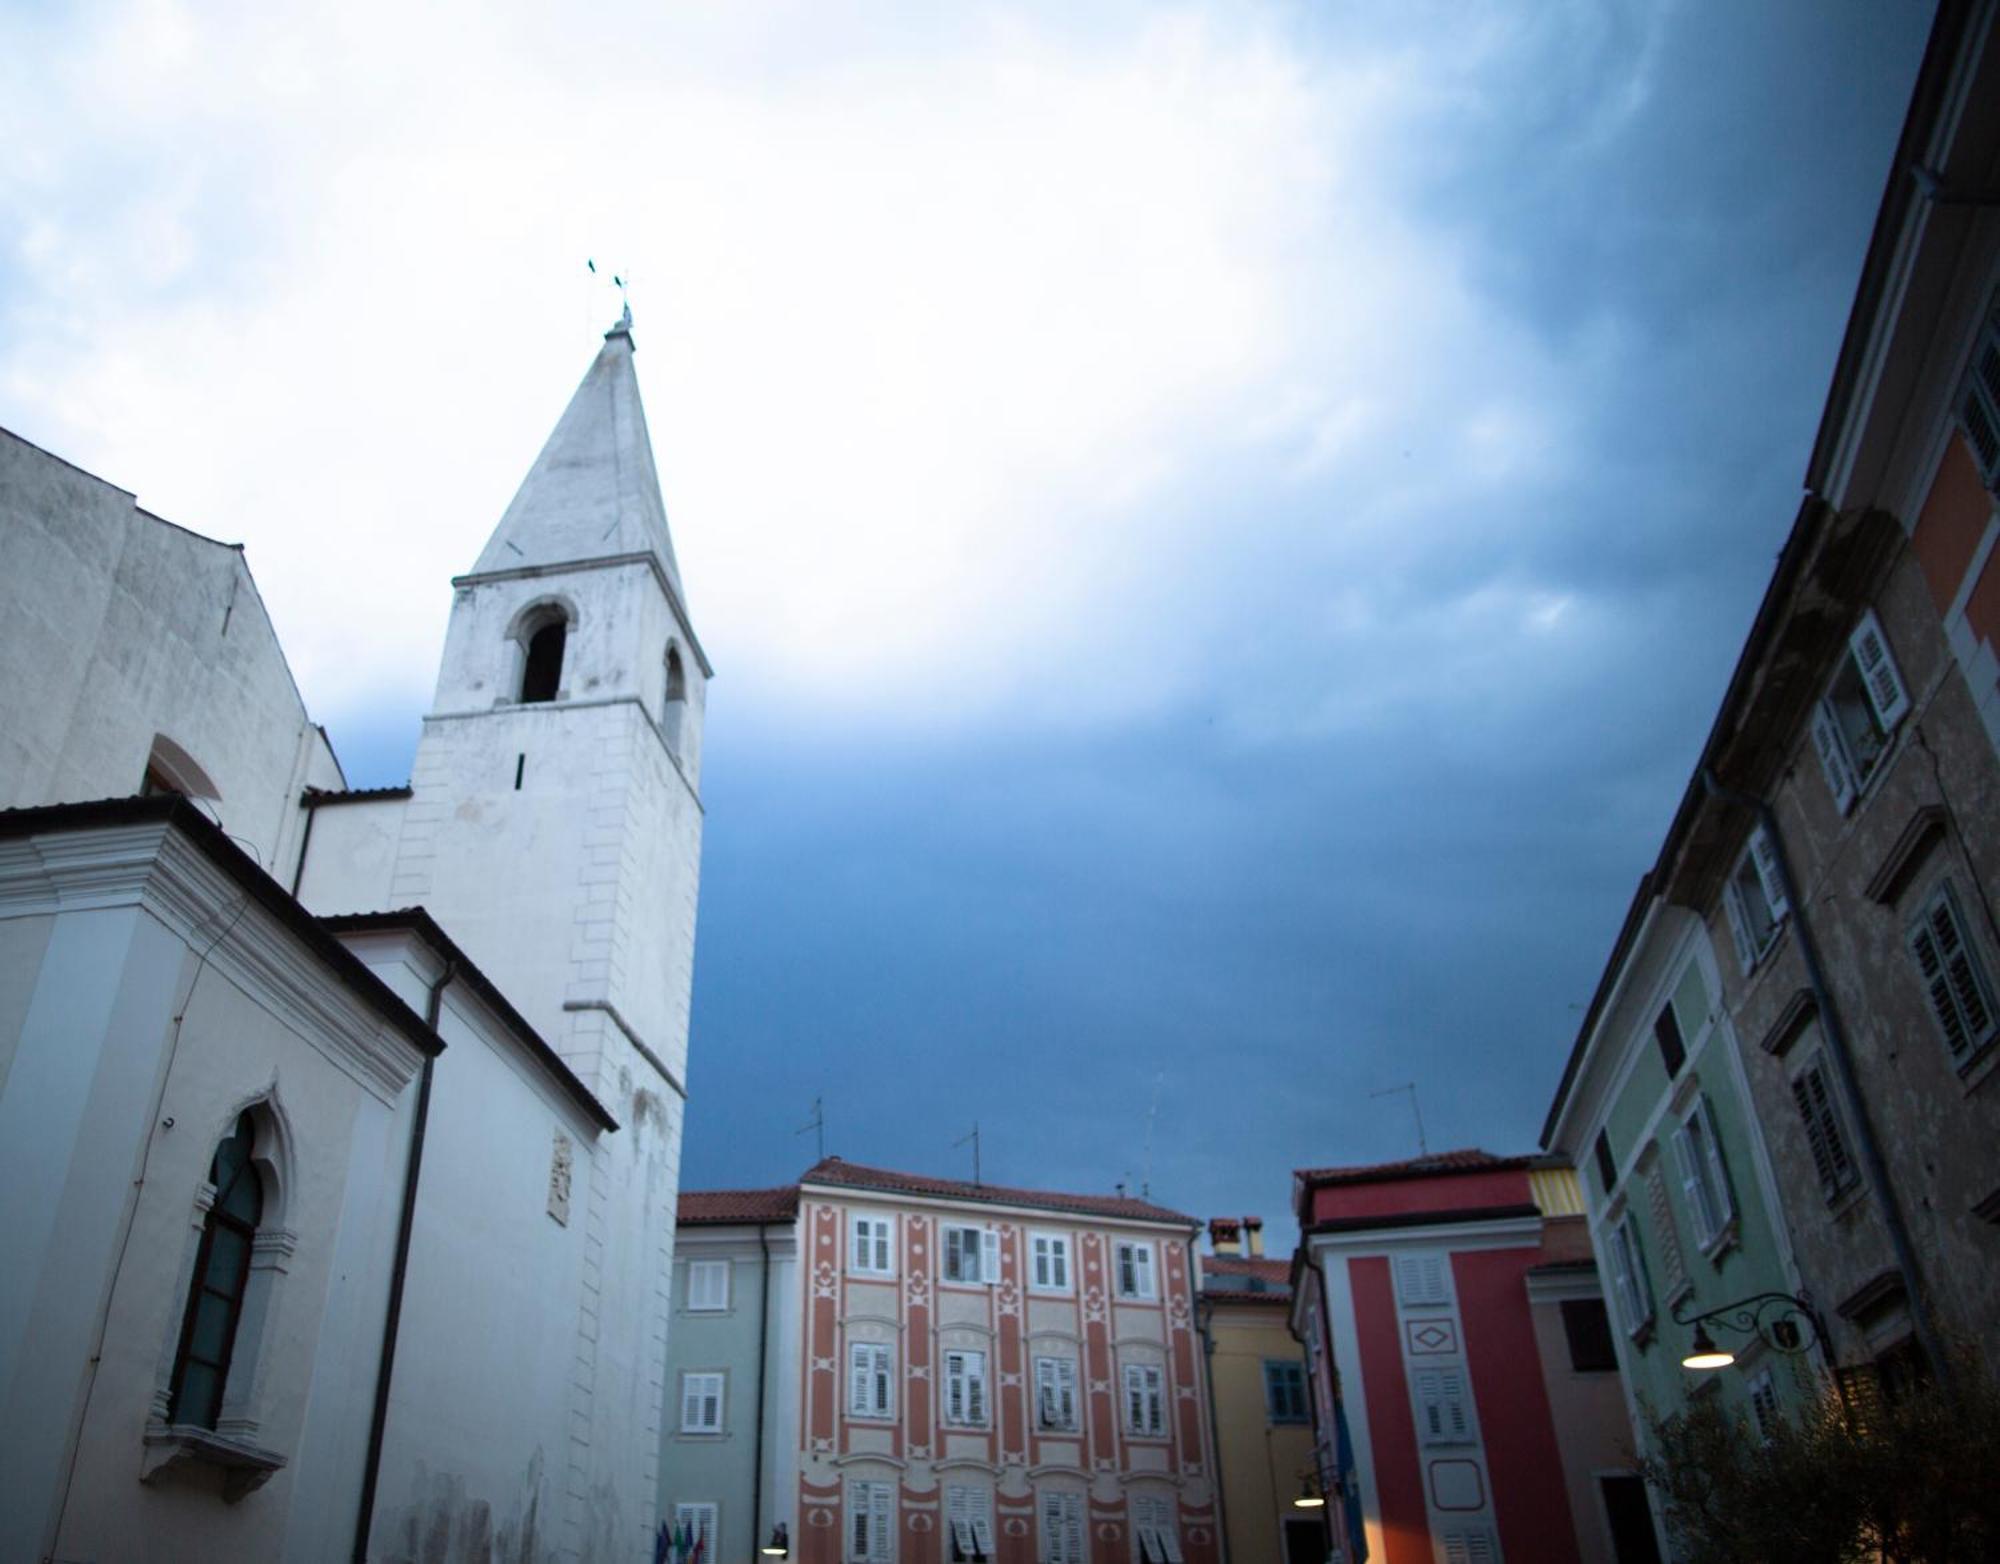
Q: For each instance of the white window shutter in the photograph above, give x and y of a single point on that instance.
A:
(1073, 1528)
(1711, 1145)
(1764, 858)
(989, 1257)
(1833, 761)
(1135, 1397)
(1879, 674)
(1739, 930)
(1697, 1207)
(857, 1380)
(982, 1532)
(880, 1500)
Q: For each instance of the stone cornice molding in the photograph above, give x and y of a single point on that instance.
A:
(154, 867)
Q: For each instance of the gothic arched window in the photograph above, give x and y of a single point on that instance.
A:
(541, 677)
(221, 1274)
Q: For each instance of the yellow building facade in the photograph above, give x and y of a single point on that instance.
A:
(1257, 1379)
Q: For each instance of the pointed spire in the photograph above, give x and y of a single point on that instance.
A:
(594, 490)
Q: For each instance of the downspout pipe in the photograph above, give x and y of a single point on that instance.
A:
(378, 1421)
(1874, 1169)
(763, 1351)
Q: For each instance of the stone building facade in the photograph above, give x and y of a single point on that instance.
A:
(342, 1130)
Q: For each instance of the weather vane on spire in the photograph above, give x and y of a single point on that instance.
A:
(618, 282)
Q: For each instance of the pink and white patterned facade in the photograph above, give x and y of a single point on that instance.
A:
(997, 1374)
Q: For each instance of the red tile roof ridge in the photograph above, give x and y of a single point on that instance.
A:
(1465, 1159)
(735, 1207)
(836, 1170)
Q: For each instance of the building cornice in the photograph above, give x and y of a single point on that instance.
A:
(572, 567)
(163, 856)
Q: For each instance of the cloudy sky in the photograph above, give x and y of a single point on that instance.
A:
(1220, 527)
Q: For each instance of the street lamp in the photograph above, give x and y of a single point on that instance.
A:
(1310, 1498)
(1781, 1321)
(780, 1546)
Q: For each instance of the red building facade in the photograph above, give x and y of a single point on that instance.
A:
(1450, 1312)
(997, 1374)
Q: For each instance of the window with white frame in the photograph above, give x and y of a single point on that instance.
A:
(1754, 900)
(1420, 1281)
(1061, 1516)
(1444, 1415)
(701, 1403)
(1961, 999)
(872, 1251)
(1704, 1178)
(969, 1514)
(1470, 1547)
(699, 1519)
(1629, 1282)
(965, 1387)
(1156, 1537)
(1055, 1393)
(1048, 1269)
(1824, 1136)
(871, 1380)
(871, 1522)
(1763, 1393)
(1979, 403)
(1854, 720)
(707, 1286)
(1285, 1391)
(971, 1254)
(1135, 1270)
(1145, 1400)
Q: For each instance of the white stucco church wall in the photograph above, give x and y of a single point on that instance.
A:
(551, 837)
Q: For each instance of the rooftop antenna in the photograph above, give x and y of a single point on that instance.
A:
(974, 1138)
(1152, 1113)
(1423, 1150)
(816, 1123)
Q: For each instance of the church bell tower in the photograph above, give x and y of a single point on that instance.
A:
(554, 831)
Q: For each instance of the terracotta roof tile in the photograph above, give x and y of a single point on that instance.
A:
(738, 1207)
(833, 1170)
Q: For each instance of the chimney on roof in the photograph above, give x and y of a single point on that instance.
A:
(1225, 1235)
(1253, 1232)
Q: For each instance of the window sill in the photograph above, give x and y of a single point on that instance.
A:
(1720, 1245)
(182, 1448)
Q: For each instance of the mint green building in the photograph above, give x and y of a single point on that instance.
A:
(1684, 1216)
(728, 1462)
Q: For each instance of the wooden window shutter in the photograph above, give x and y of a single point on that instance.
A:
(1718, 1168)
(1879, 675)
(1822, 1127)
(1673, 1266)
(1951, 977)
(1739, 929)
(858, 1373)
(1687, 1159)
(1764, 859)
(1979, 407)
(1833, 761)
(989, 1257)
(880, 1519)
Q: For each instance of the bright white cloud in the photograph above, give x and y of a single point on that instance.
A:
(946, 334)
